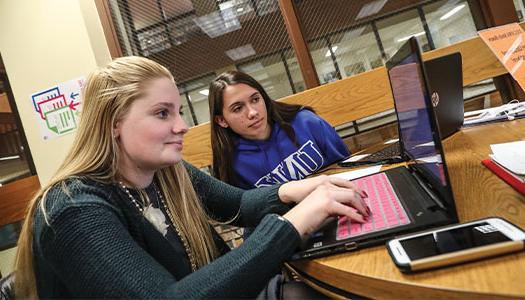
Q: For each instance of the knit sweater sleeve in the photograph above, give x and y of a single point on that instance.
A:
(224, 201)
(90, 250)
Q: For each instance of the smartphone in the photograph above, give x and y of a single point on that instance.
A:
(455, 244)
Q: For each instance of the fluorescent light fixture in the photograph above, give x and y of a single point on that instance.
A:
(409, 36)
(204, 92)
(451, 12)
(371, 8)
(240, 52)
(10, 157)
(334, 48)
(226, 5)
(235, 7)
(218, 23)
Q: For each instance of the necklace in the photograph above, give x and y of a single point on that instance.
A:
(157, 219)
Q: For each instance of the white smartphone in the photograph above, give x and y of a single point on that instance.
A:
(455, 244)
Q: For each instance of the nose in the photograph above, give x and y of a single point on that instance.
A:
(180, 126)
(252, 112)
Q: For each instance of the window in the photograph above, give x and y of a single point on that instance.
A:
(271, 73)
(196, 38)
(356, 50)
(326, 67)
(397, 29)
(15, 160)
(295, 72)
(520, 9)
(194, 95)
(449, 22)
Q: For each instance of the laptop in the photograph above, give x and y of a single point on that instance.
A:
(445, 78)
(404, 199)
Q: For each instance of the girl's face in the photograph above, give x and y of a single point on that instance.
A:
(151, 133)
(244, 111)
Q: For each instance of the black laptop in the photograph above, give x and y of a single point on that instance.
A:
(445, 79)
(403, 199)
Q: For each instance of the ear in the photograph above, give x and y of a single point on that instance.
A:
(116, 130)
(221, 121)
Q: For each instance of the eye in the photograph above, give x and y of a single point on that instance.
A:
(236, 109)
(163, 114)
(181, 112)
(256, 98)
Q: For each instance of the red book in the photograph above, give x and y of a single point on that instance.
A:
(504, 174)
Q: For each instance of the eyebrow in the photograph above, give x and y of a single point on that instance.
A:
(239, 101)
(164, 104)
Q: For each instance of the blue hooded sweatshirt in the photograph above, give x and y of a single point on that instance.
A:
(278, 159)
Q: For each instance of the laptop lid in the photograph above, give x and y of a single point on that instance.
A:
(418, 130)
(445, 79)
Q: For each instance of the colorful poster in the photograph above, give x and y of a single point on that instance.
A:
(57, 109)
(508, 44)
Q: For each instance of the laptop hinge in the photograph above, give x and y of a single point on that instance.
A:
(421, 181)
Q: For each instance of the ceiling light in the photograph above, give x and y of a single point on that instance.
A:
(240, 52)
(409, 36)
(226, 5)
(204, 92)
(218, 23)
(328, 52)
(371, 8)
(451, 12)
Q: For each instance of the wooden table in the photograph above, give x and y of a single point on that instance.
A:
(478, 193)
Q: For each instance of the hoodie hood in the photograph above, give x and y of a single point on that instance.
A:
(278, 159)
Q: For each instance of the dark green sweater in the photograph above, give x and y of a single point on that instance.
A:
(97, 245)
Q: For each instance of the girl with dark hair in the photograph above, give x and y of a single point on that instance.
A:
(260, 142)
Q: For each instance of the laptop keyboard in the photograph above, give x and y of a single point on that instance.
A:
(390, 151)
(387, 210)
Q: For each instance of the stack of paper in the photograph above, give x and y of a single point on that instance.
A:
(508, 162)
(507, 111)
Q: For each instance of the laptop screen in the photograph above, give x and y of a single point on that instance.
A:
(417, 131)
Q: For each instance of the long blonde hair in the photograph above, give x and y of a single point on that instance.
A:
(107, 97)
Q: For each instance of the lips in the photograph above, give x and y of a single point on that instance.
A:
(175, 143)
(257, 123)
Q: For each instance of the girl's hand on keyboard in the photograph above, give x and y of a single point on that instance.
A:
(296, 191)
(333, 198)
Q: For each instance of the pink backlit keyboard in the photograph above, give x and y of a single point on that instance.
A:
(387, 211)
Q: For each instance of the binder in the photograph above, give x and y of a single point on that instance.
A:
(504, 174)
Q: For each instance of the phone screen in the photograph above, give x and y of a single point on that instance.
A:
(475, 235)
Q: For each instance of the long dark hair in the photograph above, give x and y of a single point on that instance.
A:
(223, 140)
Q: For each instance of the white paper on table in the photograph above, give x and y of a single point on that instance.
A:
(430, 159)
(358, 173)
(356, 157)
(391, 141)
(510, 155)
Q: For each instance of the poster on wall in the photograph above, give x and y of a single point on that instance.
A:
(57, 108)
